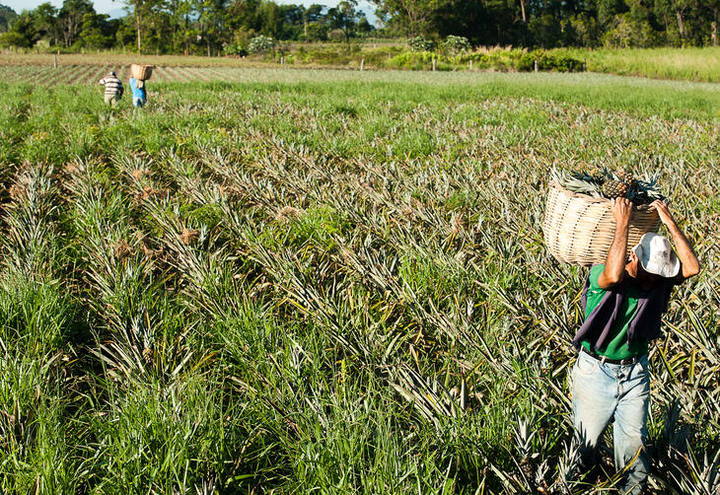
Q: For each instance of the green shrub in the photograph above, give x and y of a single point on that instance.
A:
(334, 55)
(456, 44)
(563, 63)
(378, 56)
(521, 60)
(235, 49)
(261, 44)
(240, 42)
(503, 60)
(420, 44)
(500, 60)
(418, 61)
(13, 39)
(549, 62)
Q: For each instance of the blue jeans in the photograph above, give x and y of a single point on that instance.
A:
(602, 393)
(138, 102)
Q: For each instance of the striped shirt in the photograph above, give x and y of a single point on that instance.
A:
(113, 86)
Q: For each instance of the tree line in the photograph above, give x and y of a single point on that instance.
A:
(210, 27)
(215, 27)
(553, 23)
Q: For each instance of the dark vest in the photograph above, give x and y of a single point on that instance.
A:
(645, 325)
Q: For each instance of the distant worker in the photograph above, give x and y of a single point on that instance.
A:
(139, 95)
(113, 89)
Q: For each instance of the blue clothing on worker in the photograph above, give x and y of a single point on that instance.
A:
(139, 95)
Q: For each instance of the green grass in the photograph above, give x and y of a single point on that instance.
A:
(326, 282)
(664, 99)
(688, 64)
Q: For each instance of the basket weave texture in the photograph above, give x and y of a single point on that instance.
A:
(141, 72)
(579, 229)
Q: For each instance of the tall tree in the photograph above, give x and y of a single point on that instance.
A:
(95, 33)
(21, 33)
(243, 13)
(71, 17)
(413, 17)
(293, 21)
(713, 17)
(344, 17)
(270, 19)
(608, 9)
(179, 12)
(7, 16)
(145, 13)
(473, 19)
(211, 20)
(46, 24)
(312, 20)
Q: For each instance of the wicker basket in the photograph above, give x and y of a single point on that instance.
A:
(579, 229)
(141, 72)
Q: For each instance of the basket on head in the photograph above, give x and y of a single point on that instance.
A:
(579, 229)
(141, 72)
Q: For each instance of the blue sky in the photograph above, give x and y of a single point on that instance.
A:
(115, 7)
(102, 6)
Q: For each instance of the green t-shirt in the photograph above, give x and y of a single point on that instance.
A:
(617, 347)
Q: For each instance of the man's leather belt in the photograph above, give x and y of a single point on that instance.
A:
(604, 359)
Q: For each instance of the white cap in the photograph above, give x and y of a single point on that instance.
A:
(656, 255)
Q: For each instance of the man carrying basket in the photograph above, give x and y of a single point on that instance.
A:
(138, 75)
(139, 94)
(624, 301)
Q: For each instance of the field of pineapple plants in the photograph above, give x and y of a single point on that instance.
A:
(92, 73)
(685, 64)
(330, 282)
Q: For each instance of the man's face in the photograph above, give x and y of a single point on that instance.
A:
(635, 267)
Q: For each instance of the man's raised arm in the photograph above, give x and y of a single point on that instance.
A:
(688, 261)
(615, 264)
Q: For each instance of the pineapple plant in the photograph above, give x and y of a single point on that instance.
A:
(645, 192)
(578, 182)
(607, 184)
